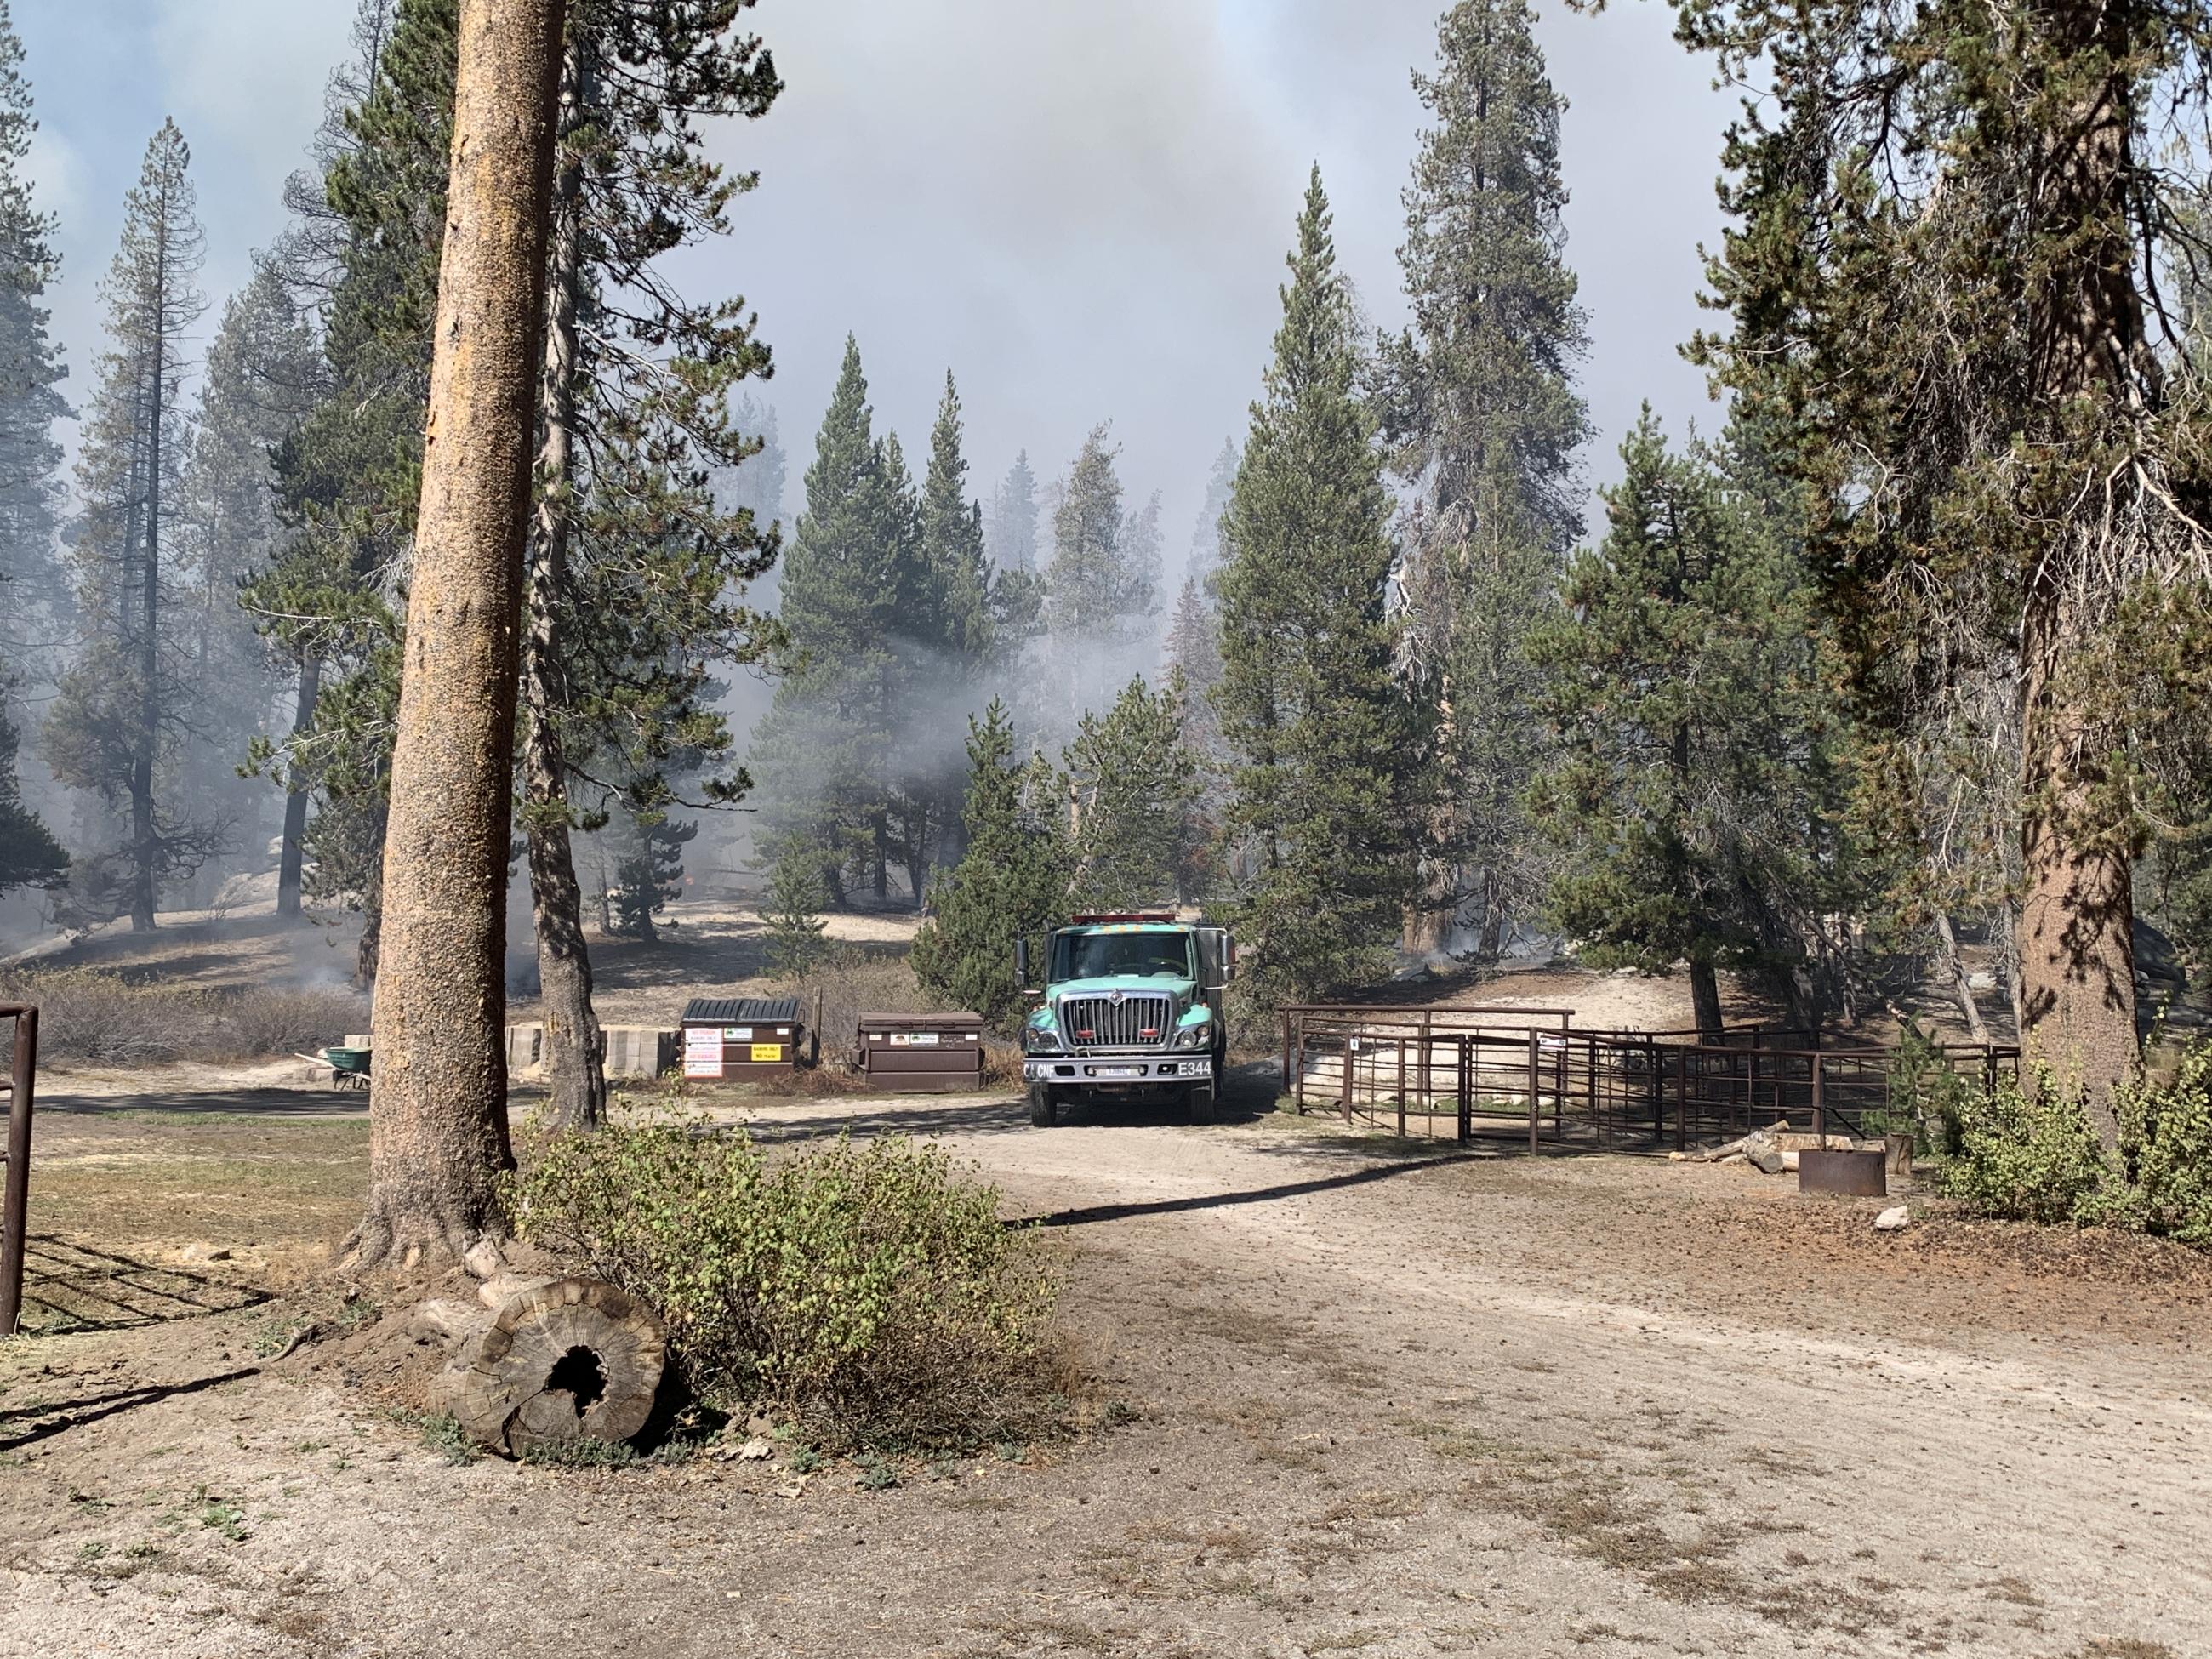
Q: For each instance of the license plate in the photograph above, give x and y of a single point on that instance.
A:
(1119, 1073)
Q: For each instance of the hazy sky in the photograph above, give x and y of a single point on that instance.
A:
(1081, 209)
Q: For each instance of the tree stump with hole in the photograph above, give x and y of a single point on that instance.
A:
(569, 1360)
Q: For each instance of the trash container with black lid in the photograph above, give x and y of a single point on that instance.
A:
(922, 1053)
(735, 1037)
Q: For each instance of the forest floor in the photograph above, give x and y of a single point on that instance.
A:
(1372, 1400)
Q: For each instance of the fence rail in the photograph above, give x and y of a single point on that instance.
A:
(16, 1190)
(1480, 1068)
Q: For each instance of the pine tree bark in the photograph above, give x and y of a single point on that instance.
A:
(438, 1134)
(2077, 912)
(575, 1069)
(291, 858)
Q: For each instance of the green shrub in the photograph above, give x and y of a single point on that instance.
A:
(793, 917)
(2166, 1151)
(865, 1292)
(2027, 1153)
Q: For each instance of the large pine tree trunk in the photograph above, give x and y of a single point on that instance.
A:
(437, 1135)
(575, 1069)
(2077, 981)
(2077, 996)
(291, 860)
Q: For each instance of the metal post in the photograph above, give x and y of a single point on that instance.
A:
(1820, 1107)
(1536, 1071)
(1286, 1089)
(1682, 1100)
(1428, 1088)
(1658, 1085)
(13, 1210)
(1345, 1081)
(1465, 1089)
(1597, 1111)
(1401, 1087)
(1298, 1077)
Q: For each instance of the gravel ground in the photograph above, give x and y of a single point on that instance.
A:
(1378, 1403)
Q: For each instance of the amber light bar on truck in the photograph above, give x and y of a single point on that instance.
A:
(1092, 918)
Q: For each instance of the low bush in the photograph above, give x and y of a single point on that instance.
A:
(103, 1019)
(2029, 1152)
(866, 1293)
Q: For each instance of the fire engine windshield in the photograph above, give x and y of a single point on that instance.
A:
(1103, 956)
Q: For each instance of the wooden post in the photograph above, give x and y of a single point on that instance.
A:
(1535, 1078)
(1465, 1089)
(1428, 1091)
(1286, 1089)
(1345, 1081)
(14, 1217)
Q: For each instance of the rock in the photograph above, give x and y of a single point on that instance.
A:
(755, 1449)
(1678, 1157)
(1893, 1219)
(1983, 980)
(201, 1252)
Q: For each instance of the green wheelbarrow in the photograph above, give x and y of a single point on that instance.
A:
(348, 1068)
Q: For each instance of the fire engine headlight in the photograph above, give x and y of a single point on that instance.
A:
(1194, 1036)
(1040, 1040)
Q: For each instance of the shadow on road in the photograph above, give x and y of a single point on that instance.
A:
(1087, 1214)
(52, 1418)
(221, 1103)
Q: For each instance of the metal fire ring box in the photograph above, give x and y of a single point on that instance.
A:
(731, 1038)
(922, 1053)
(1859, 1175)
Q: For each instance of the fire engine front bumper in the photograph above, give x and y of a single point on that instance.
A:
(1116, 1071)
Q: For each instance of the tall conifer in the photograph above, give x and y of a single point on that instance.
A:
(1484, 421)
(1327, 749)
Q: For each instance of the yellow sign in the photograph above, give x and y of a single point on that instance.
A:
(768, 1051)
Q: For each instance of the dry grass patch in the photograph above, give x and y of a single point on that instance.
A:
(101, 1018)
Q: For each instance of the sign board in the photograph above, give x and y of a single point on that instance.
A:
(737, 1033)
(768, 1051)
(702, 1051)
(913, 1039)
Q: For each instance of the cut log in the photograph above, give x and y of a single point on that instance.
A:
(569, 1360)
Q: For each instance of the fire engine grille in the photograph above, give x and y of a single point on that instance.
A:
(1135, 1022)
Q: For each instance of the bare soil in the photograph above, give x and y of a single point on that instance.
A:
(1371, 1399)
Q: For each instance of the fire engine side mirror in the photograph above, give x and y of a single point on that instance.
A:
(1022, 968)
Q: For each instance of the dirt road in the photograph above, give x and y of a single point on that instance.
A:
(1383, 1404)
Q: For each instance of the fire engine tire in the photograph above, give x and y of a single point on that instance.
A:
(1199, 1096)
(1044, 1109)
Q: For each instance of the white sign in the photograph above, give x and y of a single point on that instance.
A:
(913, 1039)
(739, 1033)
(702, 1051)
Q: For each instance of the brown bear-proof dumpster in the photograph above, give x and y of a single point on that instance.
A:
(734, 1038)
(922, 1053)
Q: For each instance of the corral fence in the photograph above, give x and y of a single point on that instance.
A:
(1505, 1071)
(16, 1188)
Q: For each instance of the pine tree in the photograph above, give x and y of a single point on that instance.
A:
(824, 753)
(757, 485)
(1013, 883)
(635, 569)
(1132, 782)
(1011, 526)
(1694, 786)
(1095, 587)
(261, 377)
(1947, 275)
(121, 707)
(1207, 552)
(1193, 653)
(1483, 420)
(1327, 747)
(31, 375)
(364, 256)
(794, 932)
